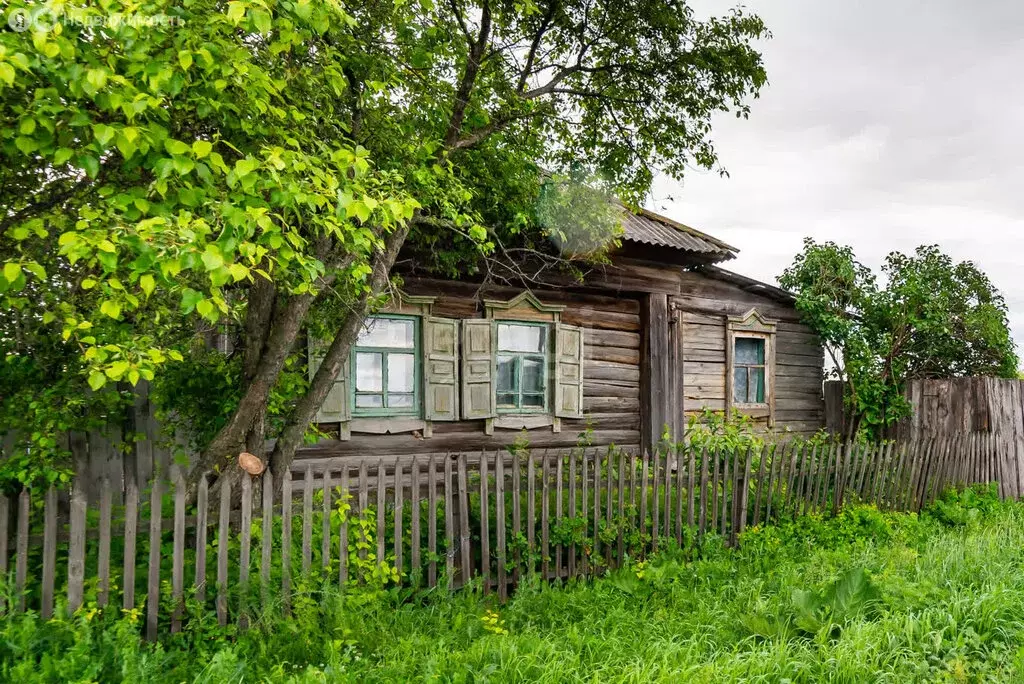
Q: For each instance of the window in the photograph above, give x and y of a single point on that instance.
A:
(521, 364)
(386, 367)
(749, 370)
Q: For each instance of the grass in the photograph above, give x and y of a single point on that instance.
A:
(862, 597)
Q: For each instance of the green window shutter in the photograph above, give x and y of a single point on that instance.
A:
(568, 371)
(440, 368)
(335, 408)
(478, 400)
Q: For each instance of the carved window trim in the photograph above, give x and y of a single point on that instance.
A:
(756, 326)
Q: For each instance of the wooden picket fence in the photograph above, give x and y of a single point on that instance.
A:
(443, 520)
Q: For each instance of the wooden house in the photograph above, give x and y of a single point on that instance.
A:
(660, 333)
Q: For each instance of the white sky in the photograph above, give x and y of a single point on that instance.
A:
(885, 125)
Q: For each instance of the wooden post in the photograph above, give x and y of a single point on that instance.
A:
(499, 521)
(622, 509)
(131, 533)
(286, 539)
(584, 500)
(531, 510)
(398, 513)
(223, 541)
(485, 530)
(517, 513)
(382, 491)
(325, 521)
(572, 510)
(202, 511)
(245, 548)
(559, 477)
(449, 523)
(545, 515)
(153, 591)
(655, 500)
(178, 554)
(346, 498)
(596, 553)
(21, 561)
(644, 483)
(307, 520)
(432, 520)
(467, 555)
(703, 517)
(49, 552)
(266, 542)
(415, 565)
(76, 547)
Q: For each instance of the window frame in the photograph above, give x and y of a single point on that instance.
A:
(416, 410)
(546, 362)
(764, 340)
(752, 324)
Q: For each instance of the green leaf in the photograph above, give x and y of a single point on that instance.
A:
(117, 369)
(201, 148)
(110, 308)
(26, 145)
(212, 258)
(62, 155)
(103, 133)
(262, 21)
(236, 11)
(207, 310)
(90, 163)
(185, 59)
(189, 299)
(97, 78)
(176, 147)
(27, 127)
(97, 380)
(147, 284)
(12, 271)
(7, 73)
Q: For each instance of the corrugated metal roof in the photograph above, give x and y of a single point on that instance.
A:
(649, 228)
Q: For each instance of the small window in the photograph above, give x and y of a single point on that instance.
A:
(749, 370)
(385, 366)
(522, 363)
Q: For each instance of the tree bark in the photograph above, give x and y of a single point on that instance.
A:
(305, 410)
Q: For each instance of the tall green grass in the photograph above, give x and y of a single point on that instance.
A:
(862, 597)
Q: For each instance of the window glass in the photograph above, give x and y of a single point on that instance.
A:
(756, 384)
(369, 372)
(533, 376)
(521, 338)
(392, 333)
(741, 387)
(401, 372)
(749, 351)
(369, 401)
(506, 374)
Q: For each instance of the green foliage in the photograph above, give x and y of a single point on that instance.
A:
(711, 430)
(932, 318)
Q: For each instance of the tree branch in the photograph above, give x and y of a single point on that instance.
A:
(466, 85)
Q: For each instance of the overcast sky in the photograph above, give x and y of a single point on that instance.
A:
(885, 125)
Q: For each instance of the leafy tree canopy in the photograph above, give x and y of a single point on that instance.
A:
(930, 318)
(170, 166)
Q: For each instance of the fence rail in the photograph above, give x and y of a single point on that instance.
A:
(446, 519)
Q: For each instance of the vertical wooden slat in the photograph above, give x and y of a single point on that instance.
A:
(545, 515)
(346, 498)
(153, 584)
(559, 483)
(76, 546)
(897, 478)
(703, 515)
(632, 491)
(432, 520)
(644, 482)
(716, 459)
(415, 536)
(811, 473)
(655, 499)
(620, 522)
(286, 538)
(466, 552)
(517, 512)
(485, 531)
(609, 505)
(307, 520)
(267, 534)
(178, 553)
(449, 522)
(793, 475)
(202, 511)
(21, 547)
(382, 491)
(667, 480)
(762, 458)
(499, 521)
(691, 468)
(775, 457)
(222, 550)
(399, 513)
(907, 493)
(744, 491)
(4, 540)
(821, 493)
(572, 510)
(584, 502)
(325, 521)
(131, 534)
(49, 551)
(244, 551)
(531, 509)
(596, 553)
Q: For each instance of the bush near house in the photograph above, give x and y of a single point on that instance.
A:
(863, 596)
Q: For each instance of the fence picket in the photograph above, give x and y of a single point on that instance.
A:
(596, 552)
(499, 521)
(382, 492)
(559, 482)
(572, 510)
(584, 489)
(775, 459)
(415, 565)
(485, 531)
(691, 456)
(267, 535)
(307, 520)
(49, 552)
(449, 523)
(655, 500)
(726, 474)
(21, 559)
(244, 551)
(432, 520)
(517, 512)
(466, 552)
(703, 516)
(346, 499)
(286, 538)
(745, 491)
(131, 533)
(622, 506)
(202, 506)
(667, 525)
(644, 480)
(222, 550)
(178, 554)
(545, 515)
(531, 510)
(398, 513)
(325, 521)
(153, 584)
(762, 458)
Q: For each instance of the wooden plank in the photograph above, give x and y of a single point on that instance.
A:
(655, 499)
(382, 490)
(415, 533)
(545, 515)
(762, 458)
(808, 479)
(399, 512)
(608, 504)
(531, 509)
(245, 549)
(632, 495)
(21, 548)
(716, 460)
(267, 534)
(153, 584)
(703, 516)
(449, 523)
(202, 511)
(346, 499)
(572, 511)
(223, 542)
(517, 512)
(559, 485)
(667, 481)
(744, 492)
(728, 481)
(500, 521)
(286, 539)
(466, 551)
(596, 553)
(485, 531)
(49, 552)
(621, 549)
(691, 467)
(178, 553)
(131, 533)
(432, 521)
(644, 484)
(307, 520)
(774, 467)
(584, 500)
(325, 521)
